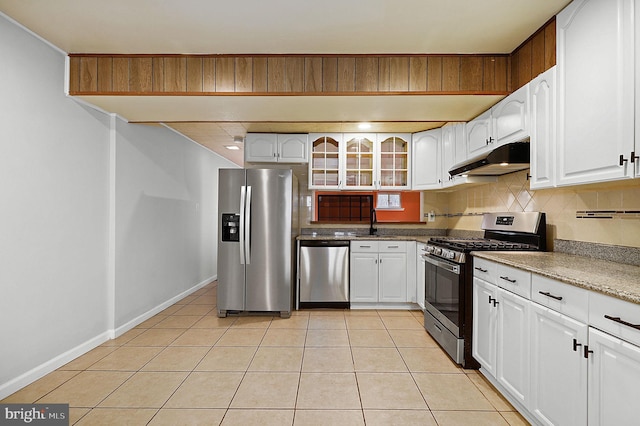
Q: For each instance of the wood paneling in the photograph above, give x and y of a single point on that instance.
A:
(158, 75)
(244, 74)
(175, 74)
(450, 74)
(330, 74)
(194, 74)
(314, 74)
(208, 74)
(276, 73)
(294, 74)
(418, 74)
(141, 74)
(120, 77)
(471, 72)
(399, 73)
(549, 45)
(225, 74)
(260, 75)
(434, 74)
(346, 74)
(536, 55)
(105, 75)
(89, 74)
(311, 74)
(366, 74)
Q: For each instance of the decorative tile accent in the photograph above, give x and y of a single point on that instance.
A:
(607, 214)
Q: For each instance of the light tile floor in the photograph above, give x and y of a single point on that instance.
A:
(319, 367)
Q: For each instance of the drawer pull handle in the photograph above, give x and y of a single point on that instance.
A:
(477, 268)
(508, 279)
(365, 246)
(618, 320)
(575, 345)
(546, 293)
(393, 246)
(587, 351)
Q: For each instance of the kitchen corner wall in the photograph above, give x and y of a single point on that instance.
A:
(512, 193)
(64, 170)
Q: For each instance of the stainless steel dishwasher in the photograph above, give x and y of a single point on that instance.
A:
(323, 274)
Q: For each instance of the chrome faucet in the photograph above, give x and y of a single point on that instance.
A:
(372, 221)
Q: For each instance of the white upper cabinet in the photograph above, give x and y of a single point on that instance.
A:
(478, 135)
(393, 160)
(507, 121)
(426, 159)
(543, 119)
(359, 161)
(454, 151)
(276, 148)
(326, 157)
(510, 118)
(595, 79)
(292, 148)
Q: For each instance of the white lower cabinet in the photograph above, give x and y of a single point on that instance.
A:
(614, 377)
(501, 337)
(563, 355)
(513, 345)
(392, 274)
(558, 368)
(378, 272)
(420, 274)
(363, 282)
(484, 325)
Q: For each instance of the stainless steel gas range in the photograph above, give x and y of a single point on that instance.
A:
(449, 276)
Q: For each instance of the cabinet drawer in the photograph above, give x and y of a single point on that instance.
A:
(392, 246)
(564, 298)
(620, 316)
(514, 280)
(485, 270)
(365, 246)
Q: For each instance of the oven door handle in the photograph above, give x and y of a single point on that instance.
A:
(444, 265)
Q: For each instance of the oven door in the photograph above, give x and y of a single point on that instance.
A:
(443, 281)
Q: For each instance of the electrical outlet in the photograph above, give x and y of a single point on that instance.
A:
(431, 216)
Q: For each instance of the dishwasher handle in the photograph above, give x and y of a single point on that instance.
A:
(324, 243)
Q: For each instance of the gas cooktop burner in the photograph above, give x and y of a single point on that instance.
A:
(479, 243)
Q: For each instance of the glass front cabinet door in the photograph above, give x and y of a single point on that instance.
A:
(359, 170)
(324, 166)
(393, 151)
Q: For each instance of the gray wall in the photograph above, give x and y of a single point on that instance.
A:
(102, 223)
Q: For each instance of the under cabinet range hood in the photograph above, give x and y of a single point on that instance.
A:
(507, 158)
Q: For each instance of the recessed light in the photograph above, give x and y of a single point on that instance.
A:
(364, 126)
(232, 147)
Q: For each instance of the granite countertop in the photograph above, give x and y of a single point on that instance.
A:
(347, 237)
(613, 279)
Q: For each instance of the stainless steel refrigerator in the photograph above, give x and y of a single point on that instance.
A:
(257, 225)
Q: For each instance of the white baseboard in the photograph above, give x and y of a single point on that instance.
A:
(161, 307)
(47, 367)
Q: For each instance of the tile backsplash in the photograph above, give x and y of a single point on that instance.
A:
(460, 210)
(512, 193)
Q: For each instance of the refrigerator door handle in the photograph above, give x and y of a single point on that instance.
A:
(247, 231)
(243, 196)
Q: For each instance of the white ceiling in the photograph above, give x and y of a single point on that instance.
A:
(287, 27)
